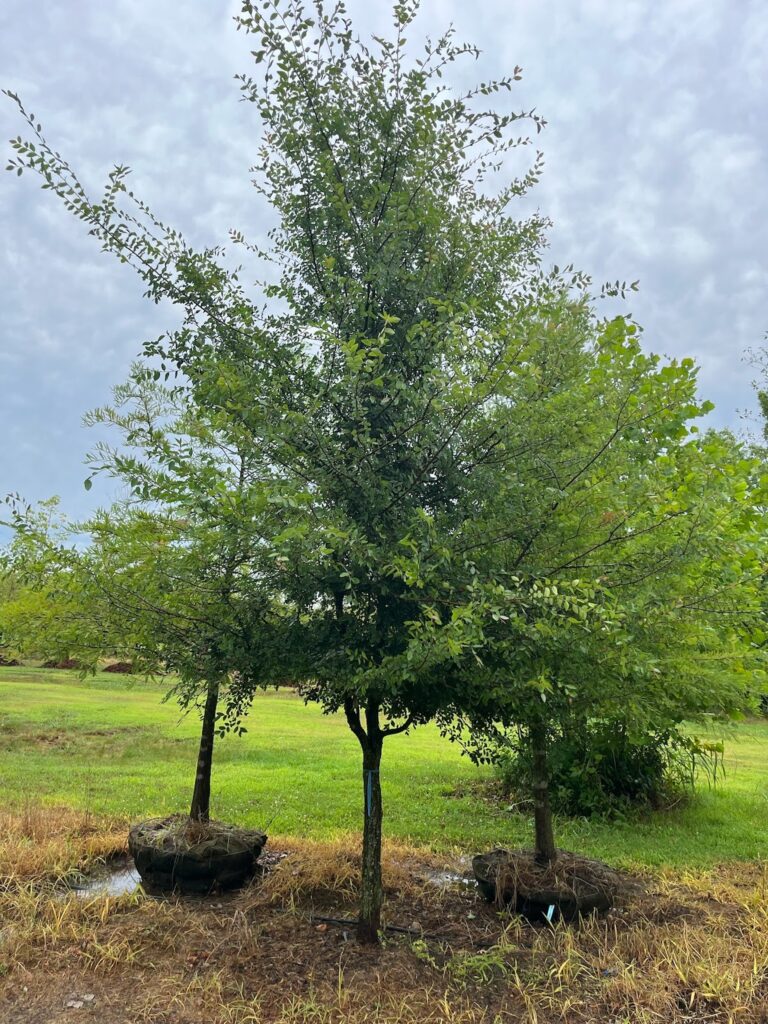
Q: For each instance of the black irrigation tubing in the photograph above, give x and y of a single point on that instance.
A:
(352, 922)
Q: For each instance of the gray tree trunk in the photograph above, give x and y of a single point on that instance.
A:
(545, 849)
(201, 796)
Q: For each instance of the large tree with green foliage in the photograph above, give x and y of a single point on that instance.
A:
(407, 289)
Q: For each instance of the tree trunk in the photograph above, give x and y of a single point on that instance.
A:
(201, 797)
(545, 849)
(371, 739)
(371, 894)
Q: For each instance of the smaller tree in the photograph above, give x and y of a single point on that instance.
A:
(172, 578)
(660, 638)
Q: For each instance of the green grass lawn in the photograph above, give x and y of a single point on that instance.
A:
(112, 746)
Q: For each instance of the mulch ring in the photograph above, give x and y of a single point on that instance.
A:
(64, 663)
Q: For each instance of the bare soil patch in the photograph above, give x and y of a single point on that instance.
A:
(119, 667)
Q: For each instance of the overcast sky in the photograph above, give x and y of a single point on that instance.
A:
(655, 169)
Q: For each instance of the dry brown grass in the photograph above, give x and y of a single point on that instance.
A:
(47, 842)
(333, 868)
(689, 949)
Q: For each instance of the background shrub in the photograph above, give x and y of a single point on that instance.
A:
(597, 767)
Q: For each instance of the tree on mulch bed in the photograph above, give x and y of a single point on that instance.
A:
(64, 663)
(119, 667)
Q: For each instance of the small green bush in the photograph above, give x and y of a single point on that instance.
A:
(597, 768)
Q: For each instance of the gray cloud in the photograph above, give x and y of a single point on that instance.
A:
(655, 169)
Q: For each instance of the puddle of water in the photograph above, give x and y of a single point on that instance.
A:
(119, 877)
(114, 879)
(444, 879)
